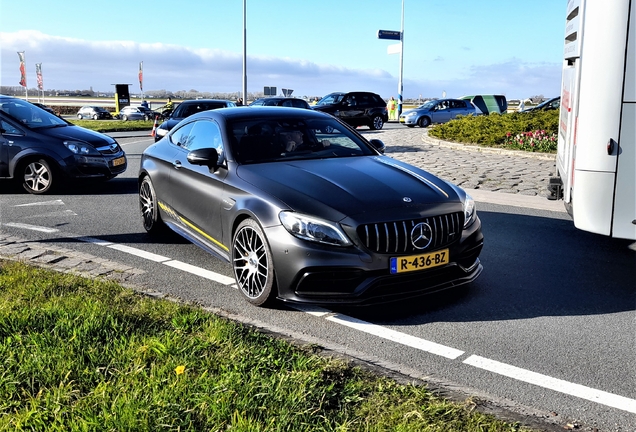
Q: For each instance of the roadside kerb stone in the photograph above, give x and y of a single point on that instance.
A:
(66, 260)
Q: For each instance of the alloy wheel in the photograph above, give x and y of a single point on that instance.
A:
(38, 177)
(252, 260)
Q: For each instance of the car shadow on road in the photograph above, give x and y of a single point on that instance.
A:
(116, 186)
(533, 267)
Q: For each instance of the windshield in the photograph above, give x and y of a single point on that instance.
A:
(331, 99)
(187, 109)
(428, 105)
(30, 115)
(267, 140)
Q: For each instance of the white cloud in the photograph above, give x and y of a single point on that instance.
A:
(76, 64)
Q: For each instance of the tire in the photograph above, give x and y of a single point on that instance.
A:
(38, 177)
(376, 122)
(149, 209)
(146, 117)
(252, 263)
(124, 118)
(423, 122)
(79, 116)
(95, 117)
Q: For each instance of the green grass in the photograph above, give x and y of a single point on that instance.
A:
(114, 125)
(84, 355)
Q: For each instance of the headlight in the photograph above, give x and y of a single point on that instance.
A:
(162, 130)
(80, 148)
(313, 229)
(469, 211)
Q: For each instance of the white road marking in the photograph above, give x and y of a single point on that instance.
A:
(139, 253)
(545, 381)
(55, 202)
(395, 336)
(200, 272)
(134, 142)
(31, 227)
(312, 310)
(561, 386)
(94, 240)
(52, 214)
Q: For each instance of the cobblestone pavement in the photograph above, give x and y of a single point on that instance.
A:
(471, 167)
(67, 260)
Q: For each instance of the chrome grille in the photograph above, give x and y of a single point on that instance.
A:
(109, 149)
(394, 237)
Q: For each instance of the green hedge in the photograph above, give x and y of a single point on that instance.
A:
(500, 130)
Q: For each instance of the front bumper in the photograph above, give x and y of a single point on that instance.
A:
(408, 120)
(314, 274)
(96, 166)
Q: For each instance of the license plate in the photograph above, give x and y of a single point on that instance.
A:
(402, 120)
(419, 262)
(119, 161)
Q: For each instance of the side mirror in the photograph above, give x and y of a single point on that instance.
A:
(206, 156)
(378, 145)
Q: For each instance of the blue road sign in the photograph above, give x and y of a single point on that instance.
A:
(389, 34)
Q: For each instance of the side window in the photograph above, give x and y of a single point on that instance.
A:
(478, 101)
(365, 100)
(9, 129)
(206, 134)
(180, 136)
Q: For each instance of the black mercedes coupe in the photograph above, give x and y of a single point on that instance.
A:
(306, 210)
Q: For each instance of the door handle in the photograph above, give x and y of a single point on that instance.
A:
(176, 164)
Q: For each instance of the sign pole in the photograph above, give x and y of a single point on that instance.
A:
(400, 86)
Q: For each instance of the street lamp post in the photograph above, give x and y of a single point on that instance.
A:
(244, 52)
(396, 35)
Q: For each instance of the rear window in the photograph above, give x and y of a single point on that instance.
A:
(185, 110)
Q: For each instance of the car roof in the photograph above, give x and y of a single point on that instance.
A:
(238, 113)
(189, 101)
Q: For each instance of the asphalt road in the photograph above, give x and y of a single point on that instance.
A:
(547, 332)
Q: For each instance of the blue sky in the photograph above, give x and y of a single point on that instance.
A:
(311, 46)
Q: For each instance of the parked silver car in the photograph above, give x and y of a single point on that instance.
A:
(436, 111)
(93, 112)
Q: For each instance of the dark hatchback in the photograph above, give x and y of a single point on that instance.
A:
(187, 108)
(332, 221)
(355, 108)
(40, 150)
(282, 101)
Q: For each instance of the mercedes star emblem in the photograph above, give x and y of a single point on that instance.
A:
(421, 235)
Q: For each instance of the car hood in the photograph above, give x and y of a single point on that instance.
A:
(416, 110)
(170, 123)
(340, 187)
(78, 133)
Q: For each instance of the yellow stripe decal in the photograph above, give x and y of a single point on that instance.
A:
(174, 215)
